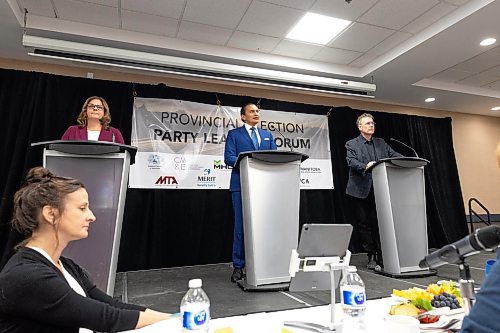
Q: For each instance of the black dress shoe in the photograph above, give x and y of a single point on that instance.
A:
(379, 260)
(371, 262)
(237, 275)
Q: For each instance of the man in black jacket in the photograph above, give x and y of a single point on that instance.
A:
(362, 152)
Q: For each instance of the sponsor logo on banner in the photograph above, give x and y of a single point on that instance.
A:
(154, 161)
(166, 180)
(206, 180)
(221, 166)
(310, 170)
(304, 181)
(180, 163)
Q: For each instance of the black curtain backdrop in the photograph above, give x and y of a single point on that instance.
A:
(170, 228)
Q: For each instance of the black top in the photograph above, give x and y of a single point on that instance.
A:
(35, 297)
(371, 150)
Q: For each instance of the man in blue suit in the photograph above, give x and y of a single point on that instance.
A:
(362, 152)
(245, 138)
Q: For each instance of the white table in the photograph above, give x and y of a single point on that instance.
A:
(272, 322)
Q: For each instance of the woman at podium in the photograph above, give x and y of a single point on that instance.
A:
(94, 123)
(42, 291)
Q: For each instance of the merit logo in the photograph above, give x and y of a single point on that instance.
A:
(166, 180)
(203, 179)
(206, 178)
(219, 165)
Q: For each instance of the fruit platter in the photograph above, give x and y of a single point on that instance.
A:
(428, 304)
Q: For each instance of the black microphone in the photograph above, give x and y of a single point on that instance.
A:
(483, 239)
(284, 139)
(404, 144)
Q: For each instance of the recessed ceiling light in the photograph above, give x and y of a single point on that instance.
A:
(488, 41)
(430, 99)
(496, 108)
(317, 29)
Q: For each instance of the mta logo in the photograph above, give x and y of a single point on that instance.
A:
(166, 180)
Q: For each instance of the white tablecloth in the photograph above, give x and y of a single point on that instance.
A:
(272, 322)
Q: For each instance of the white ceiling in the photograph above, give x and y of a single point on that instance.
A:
(413, 49)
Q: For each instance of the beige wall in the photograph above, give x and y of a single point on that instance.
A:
(475, 137)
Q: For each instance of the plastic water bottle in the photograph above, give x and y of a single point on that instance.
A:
(195, 308)
(352, 293)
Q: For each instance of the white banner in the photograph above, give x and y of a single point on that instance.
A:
(180, 145)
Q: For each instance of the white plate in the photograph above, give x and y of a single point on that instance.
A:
(446, 311)
(440, 311)
(455, 284)
(443, 321)
(400, 299)
(452, 312)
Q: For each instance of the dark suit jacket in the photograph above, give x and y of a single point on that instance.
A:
(80, 133)
(360, 182)
(238, 141)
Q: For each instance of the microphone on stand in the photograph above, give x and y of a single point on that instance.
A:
(284, 139)
(407, 146)
(483, 239)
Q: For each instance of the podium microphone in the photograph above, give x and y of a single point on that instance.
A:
(404, 144)
(483, 239)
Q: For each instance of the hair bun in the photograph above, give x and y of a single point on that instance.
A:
(39, 175)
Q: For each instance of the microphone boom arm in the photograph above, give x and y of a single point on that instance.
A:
(407, 146)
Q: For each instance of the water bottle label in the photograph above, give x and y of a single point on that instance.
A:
(353, 298)
(195, 320)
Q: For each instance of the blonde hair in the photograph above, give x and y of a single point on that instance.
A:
(105, 120)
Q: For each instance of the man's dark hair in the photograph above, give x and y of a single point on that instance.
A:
(242, 111)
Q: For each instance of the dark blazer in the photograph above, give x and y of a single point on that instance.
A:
(238, 141)
(35, 297)
(80, 133)
(360, 182)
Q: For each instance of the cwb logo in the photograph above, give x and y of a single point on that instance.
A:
(166, 180)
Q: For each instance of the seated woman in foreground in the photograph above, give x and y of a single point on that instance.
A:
(41, 291)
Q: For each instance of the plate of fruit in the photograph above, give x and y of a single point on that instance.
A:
(430, 303)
